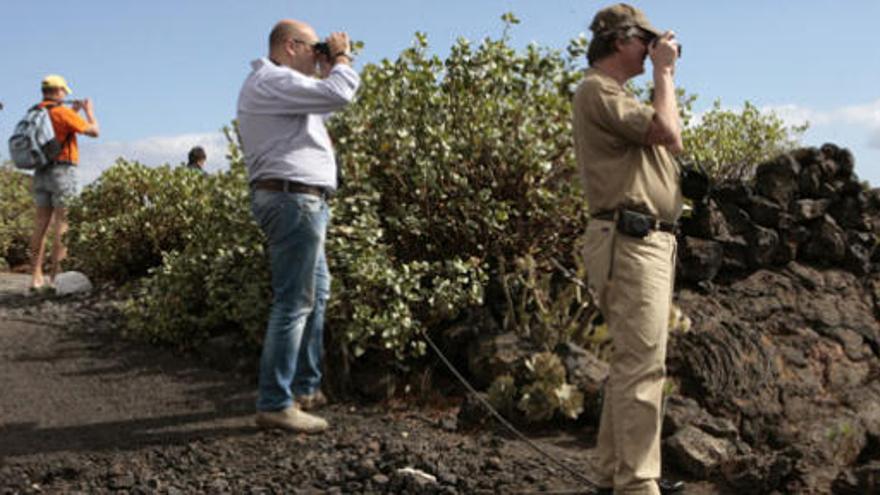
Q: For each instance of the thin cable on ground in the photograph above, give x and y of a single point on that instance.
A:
(590, 483)
(588, 491)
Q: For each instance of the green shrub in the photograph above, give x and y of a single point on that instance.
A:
(468, 157)
(730, 144)
(121, 225)
(377, 295)
(16, 215)
(218, 282)
(544, 393)
(548, 305)
(463, 164)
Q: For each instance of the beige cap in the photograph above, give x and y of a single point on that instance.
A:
(621, 16)
(53, 81)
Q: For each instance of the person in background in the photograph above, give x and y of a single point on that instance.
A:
(55, 185)
(196, 159)
(625, 151)
(292, 170)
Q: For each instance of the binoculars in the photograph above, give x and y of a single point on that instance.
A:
(323, 48)
(648, 37)
(678, 46)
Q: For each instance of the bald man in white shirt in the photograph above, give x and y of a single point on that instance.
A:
(292, 171)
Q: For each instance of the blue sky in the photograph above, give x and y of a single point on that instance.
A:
(165, 74)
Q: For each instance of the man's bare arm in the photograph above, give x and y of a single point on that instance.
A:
(665, 129)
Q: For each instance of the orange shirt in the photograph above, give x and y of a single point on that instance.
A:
(67, 124)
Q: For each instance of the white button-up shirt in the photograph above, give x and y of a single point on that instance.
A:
(281, 115)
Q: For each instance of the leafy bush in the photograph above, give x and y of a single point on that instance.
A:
(468, 157)
(544, 393)
(16, 215)
(548, 307)
(730, 144)
(464, 164)
(217, 282)
(377, 295)
(121, 225)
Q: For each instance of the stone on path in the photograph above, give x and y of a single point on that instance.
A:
(72, 283)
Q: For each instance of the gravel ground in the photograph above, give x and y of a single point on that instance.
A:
(85, 411)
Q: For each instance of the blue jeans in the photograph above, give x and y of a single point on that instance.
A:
(295, 225)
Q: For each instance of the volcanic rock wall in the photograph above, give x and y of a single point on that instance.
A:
(779, 379)
(807, 206)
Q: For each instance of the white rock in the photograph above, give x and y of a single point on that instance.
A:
(418, 474)
(72, 283)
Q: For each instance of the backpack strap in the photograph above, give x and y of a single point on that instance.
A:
(47, 106)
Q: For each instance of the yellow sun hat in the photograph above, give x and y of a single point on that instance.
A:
(53, 81)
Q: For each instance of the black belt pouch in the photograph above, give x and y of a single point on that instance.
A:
(634, 224)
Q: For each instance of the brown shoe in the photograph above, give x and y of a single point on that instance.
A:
(292, 419)
(311, 402)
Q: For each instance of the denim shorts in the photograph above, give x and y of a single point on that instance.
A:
(55, 185)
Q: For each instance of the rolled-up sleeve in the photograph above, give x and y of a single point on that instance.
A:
(623, 114)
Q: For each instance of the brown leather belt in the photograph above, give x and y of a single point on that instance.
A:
(281, 185)
(611, 215)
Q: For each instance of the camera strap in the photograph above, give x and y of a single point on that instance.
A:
(613, 244)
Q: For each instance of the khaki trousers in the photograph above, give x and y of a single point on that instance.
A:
(633, 280)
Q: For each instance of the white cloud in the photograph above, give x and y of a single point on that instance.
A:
(855, 126)
(874, 139)
(865, 116)
(96, 156)
(796, 115)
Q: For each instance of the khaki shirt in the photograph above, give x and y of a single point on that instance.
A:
(617, 167)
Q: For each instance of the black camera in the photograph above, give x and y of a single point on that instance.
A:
(694, 181)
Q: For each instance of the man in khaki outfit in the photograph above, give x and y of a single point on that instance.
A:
(624, 150)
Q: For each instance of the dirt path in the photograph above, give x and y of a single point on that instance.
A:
(84, 411)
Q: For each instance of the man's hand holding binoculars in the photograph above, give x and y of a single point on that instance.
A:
(663, 51)
(335, 50)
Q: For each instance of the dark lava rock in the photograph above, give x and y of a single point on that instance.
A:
(699, 259)
(696, 452)
(777, 179)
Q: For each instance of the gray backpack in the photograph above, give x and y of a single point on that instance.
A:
(33, 144)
